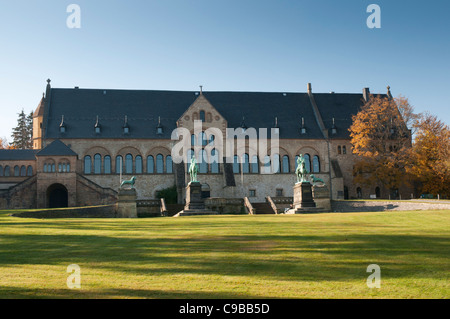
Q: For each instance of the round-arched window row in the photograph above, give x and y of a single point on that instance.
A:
(18, 171)
(127, 165)
(272, 164)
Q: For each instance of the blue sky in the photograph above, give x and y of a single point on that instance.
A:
(245, 45)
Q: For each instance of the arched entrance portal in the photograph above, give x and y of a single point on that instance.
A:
(57, 196)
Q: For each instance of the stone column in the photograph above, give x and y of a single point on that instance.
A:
(126, 205)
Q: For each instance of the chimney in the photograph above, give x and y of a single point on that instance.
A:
(366, 94)
(309, 88)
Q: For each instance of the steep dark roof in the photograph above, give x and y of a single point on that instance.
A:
(56, 148)
(18, 155)
(81, 107)
(341, 107)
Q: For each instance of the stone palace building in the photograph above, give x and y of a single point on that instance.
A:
(87, 140)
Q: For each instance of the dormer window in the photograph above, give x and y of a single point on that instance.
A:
(303, 128)
(276, 129)
(333, 128)
(62, 126)
(126, 127)
(159, 128)
(97, 127)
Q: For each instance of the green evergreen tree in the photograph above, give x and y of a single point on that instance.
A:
(23, 133)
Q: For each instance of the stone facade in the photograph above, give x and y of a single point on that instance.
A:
(90, 174)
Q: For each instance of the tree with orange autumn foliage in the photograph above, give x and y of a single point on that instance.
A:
(381, 140)
(430, 156)
(3, 143)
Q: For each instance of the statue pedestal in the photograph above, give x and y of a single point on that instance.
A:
(126, 205)
(321, 195)
(195, 204)
(303, 199)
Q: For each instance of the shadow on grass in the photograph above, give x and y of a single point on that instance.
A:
(23, 293)
(278, 257)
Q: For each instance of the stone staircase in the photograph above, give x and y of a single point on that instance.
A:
(263, 208)
(173, 209)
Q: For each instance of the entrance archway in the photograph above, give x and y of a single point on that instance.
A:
(57, 196)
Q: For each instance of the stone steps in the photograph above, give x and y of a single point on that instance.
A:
(262, 208)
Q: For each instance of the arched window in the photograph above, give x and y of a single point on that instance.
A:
(339, 150)
(159, 164)
(169, 164)
(202, 116)
(307, 162)
(344, 149)
(45, 168)
(60, 168)
(286, 168)
(245, 164)
(150, 165)
(316, 164)
(23, 171)
(1, 170)
(138, 164)
(255, 165)
(203, 140)
(203, 162)
(16, 171)
(68, 167)
(211, 140)
(29, 170)
(119, 164)
(87, 165)
(193, 140)
(97, 164)
(106, 164)
(54, 167)
(276, 163)
(267, 168)
(7, 171)
(214, 161)
(236, 165)
(129, 164)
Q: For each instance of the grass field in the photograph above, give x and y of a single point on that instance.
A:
(283, 256)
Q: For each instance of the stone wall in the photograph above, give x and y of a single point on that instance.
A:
(20, 196)
(379, 206)
(85, 212)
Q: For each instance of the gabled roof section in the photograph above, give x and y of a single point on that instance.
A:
(261, 108)
(144, 109)
(56, 148)
(340, 107)
(18, 155)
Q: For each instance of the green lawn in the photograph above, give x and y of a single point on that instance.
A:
(284, 256)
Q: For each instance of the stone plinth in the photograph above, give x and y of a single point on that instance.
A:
(303, 199)
(126, 205)
(194, 198)
(303, 196)
(321, 195)
(195, 204)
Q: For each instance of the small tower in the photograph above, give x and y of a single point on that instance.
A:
(38, 119)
